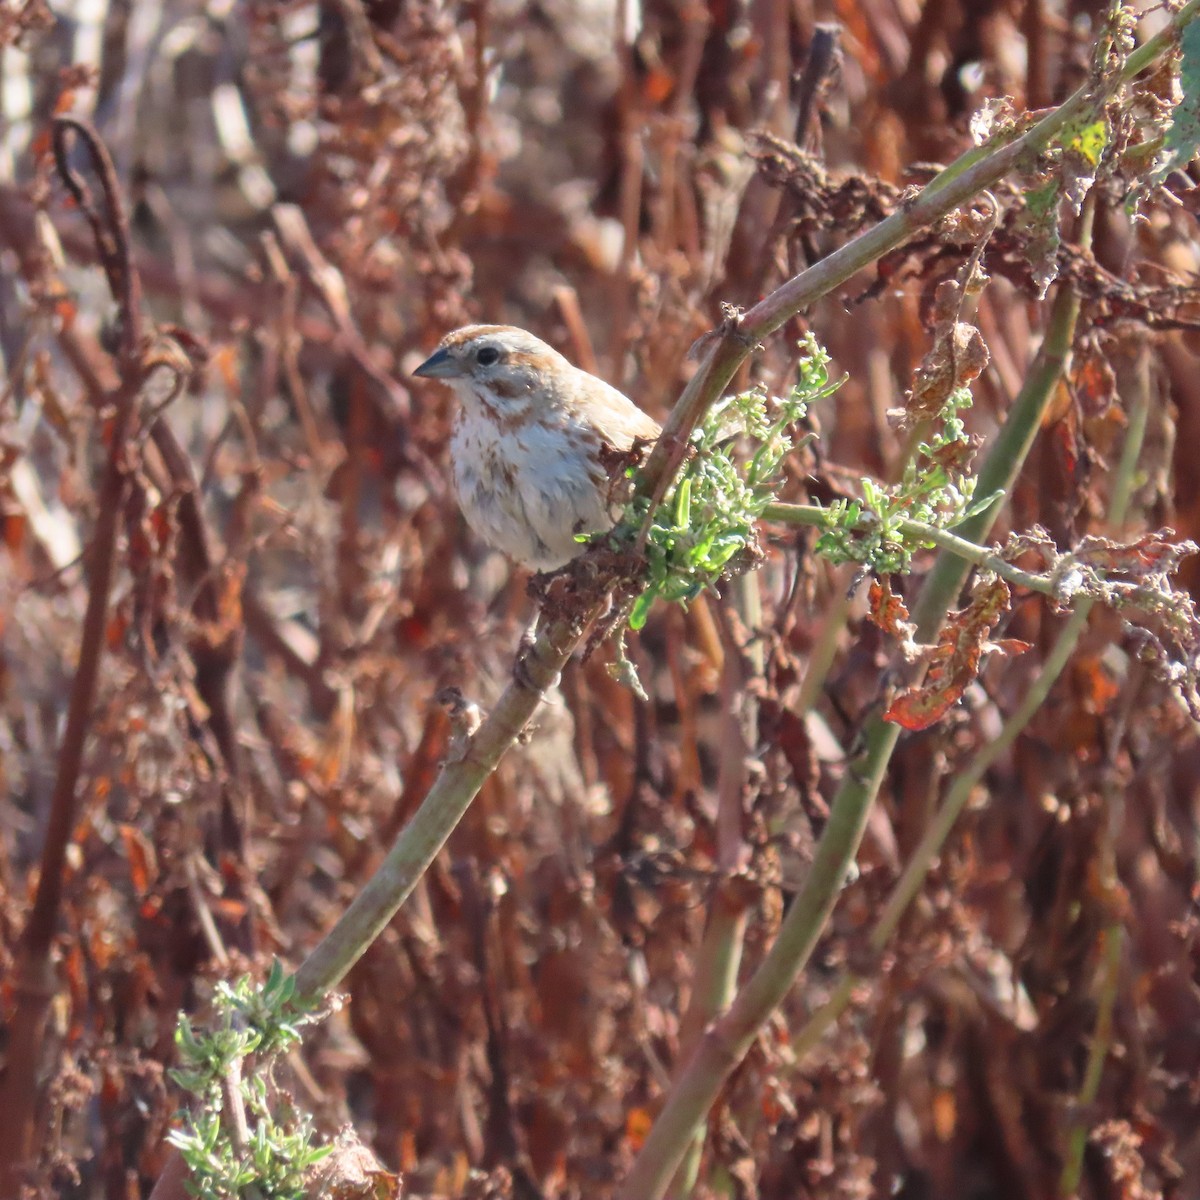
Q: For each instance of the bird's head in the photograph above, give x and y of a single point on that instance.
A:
(499, 367)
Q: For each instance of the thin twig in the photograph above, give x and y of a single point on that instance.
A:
(34, 973)
(1102, 1038)
(110, 225)
(979, 556)
(719, 957)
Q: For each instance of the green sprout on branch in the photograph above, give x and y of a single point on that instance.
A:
(267, 1156)
(707, 529)
(935, 491)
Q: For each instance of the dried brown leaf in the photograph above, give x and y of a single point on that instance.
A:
(956, 658)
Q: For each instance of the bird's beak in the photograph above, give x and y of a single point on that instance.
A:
(439, 365)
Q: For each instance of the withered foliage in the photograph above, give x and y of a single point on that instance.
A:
(316, 193)
(956, 659)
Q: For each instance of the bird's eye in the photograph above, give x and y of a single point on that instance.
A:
(487, 356)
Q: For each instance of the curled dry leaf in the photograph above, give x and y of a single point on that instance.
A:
(1151, 556)
(888, 611)
(352, 1172)
(956, 658)
(955, 359)
(1135, 577)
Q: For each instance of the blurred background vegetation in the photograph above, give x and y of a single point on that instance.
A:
(317, 193)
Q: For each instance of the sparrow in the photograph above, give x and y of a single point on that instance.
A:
(531, 440)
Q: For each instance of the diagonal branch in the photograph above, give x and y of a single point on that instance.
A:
(724, 352)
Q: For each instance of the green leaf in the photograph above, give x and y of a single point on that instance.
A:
(725, 485)
(978, 506)
(185, 1039)
(1083, 147)
(1090, 141)
(683, 502)
(641, 610)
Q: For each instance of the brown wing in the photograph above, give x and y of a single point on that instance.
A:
(615, 417)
